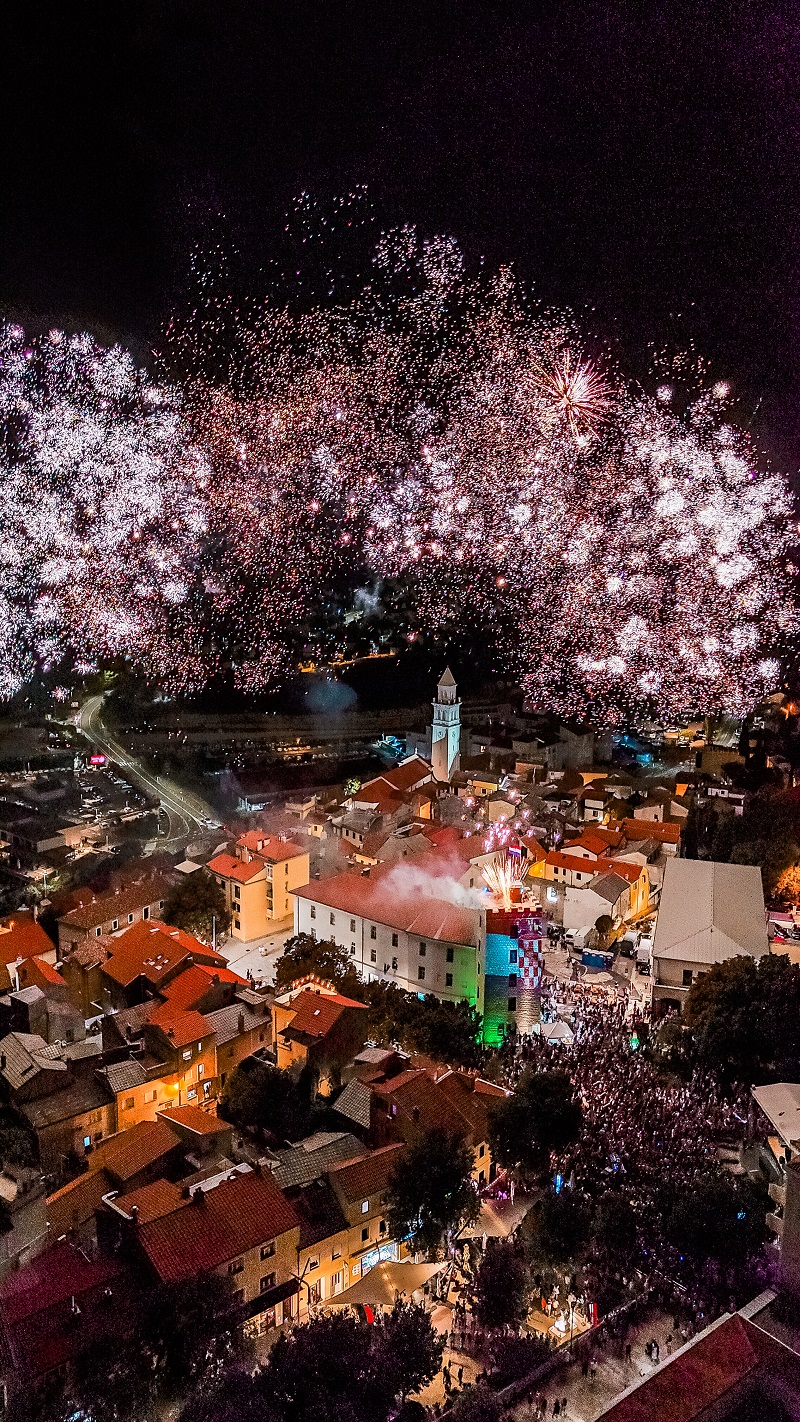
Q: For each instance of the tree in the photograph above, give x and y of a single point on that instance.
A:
(743, 1017)
(303, 956)
(477, 1404)
(194, 903)
(562, 1227)
(502, 1286)
(604, 925)
(191, 1332)
(614, 1225)
(541, 1116)
(258, 1096)
(431, 1190)
(339, 1369)
(721, 1218)
(516, 1356)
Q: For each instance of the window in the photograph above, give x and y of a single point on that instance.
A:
(512, 957)
(450, 955)
(423, 948)
(268, 1249)
(352, 925)
(337, 1254)
(129, 1104)
(395, 940)
(333, 918)
(237, 893)
(313, 911)
(448, 979)
(373, 932)
(130, 918)
(187, 1055)
(394, 965)
(352, 950)
(192, 1093)
(201, 1071)
(114, 924)
(236, 1266)
(236, 923)
(365, 1207)
(267, 1283)
(151, 1095)
(382, 1227)
(421, 973)
(687, 977)
(87, 1141)
(482, 1149)
(373, 955)
(512, 980)
(146, 911)
(98, 932)
(161, 903)
(512, 1004)
(312, 1265)
(364, 1235)
(336, 1283)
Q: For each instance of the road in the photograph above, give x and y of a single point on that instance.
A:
(187, 813)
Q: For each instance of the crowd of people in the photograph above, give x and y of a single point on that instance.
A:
(645, 1134)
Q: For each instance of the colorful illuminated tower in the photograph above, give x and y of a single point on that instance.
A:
(515, 940)
(446, 728)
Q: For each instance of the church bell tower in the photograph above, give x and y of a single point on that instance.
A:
(446, 728)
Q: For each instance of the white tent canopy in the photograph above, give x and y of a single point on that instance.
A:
(385, 1281)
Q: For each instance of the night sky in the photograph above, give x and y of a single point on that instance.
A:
(639, 159)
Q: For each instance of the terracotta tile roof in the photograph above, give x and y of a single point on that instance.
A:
(597, 841)
(270, 847)
(182, 1028)
(73, 1205)
(316, 1013)
(152, 1201)
(319, 1212)
(106, 907)
(418, 1098)
(216, 1226)
(42, 973)
(359, 1179)
(228, 867)
(651, 829)
(152, 950)
(22, 936)
(201, 1122)
(399, 781)
(430, 918)
(55, 1275)
(622, 867)
(571, 861)
(195, 982)
(696, 1378)
(127, 1154)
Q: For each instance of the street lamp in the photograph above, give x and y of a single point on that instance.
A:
(572, 1300)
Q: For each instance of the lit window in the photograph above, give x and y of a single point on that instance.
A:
(365, 1207)
(187, 1055)
(201, 1071)
(87, 1141)
(192, 1093)
(312, 1265)
(268, 1250)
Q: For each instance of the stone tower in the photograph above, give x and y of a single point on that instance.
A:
(446, 728)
